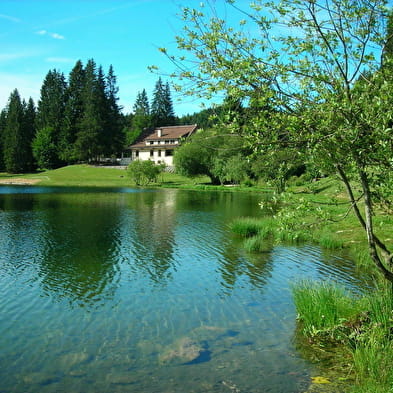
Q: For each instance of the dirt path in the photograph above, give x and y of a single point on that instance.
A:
(19, 181)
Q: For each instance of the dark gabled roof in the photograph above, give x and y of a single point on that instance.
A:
(169, 132)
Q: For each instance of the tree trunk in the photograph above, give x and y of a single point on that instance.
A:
(371, 238)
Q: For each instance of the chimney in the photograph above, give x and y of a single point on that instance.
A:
(159, 133)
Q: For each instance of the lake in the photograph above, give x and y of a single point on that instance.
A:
(131, 290)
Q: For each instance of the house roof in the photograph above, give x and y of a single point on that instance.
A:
(169, 132)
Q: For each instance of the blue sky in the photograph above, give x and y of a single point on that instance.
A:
(39, 35)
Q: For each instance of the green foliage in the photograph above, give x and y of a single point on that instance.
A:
(193, 158)
(45, 149)
(322, 306)
(278, 166)
(17, 134)
(139, 120)
(363, 325)
(214, 153)
(73, 113)
(162, 113)
(144, 172)
(51, 105)
(308, 78)
(247, 226)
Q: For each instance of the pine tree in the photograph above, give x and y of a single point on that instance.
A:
(16, 140)
(50, 113)
(140, 119)
(73, 113)
(3, 119)
(29, 133)
(162, 109)
(114, 132)
(88, 144)
(170, 113)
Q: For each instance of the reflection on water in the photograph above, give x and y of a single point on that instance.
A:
(146, 291)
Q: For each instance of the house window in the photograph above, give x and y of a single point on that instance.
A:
(137, 153)
(151, 142)
(168, 153)
(151, 153)
(159, 153)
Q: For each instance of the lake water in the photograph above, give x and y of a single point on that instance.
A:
(126, 290)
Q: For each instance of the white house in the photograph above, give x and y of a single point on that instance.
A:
(160, 143)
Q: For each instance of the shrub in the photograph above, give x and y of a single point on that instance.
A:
(144, 172)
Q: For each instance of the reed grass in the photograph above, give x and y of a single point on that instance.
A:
(249, 226)
(322, 306)
(363, 326)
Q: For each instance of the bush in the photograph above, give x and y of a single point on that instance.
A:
(144, 172)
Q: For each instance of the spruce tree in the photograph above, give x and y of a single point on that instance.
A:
(141, 118)
(50, 112)
(114, 132)
(162, 109)
(14, 138)
(29, 133)
(88, 144)
(73, 113)
(3, 119)
(170, 113)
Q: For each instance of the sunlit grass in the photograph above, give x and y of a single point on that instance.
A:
(322, 306)
(361, 325)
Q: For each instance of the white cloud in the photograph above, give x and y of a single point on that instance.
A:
(56, 36)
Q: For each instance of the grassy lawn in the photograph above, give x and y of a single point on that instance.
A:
(91, 176)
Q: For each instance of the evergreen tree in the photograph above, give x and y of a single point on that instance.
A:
(29, 132)
(113, 132)
(88, 144)
(16, 141)
(51, 107)
(162, 109)
(73, 113)
(170, 113)
(141, 118)
(3, 119)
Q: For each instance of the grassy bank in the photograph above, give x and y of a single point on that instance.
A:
(93, 176)
(314, 212)
(357, 330)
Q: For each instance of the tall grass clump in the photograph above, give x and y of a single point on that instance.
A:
(293, 236)
(257, 243)
(372, 343)
(329, 241)
(248, 226)
(322, 306)
(372, 359)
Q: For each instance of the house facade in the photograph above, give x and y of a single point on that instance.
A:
(159, 145)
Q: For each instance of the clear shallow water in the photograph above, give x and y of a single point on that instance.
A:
(146, 291)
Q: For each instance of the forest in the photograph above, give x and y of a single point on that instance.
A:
(77, 119)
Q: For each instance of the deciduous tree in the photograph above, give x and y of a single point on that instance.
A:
(318, 65)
